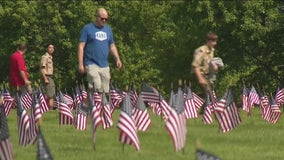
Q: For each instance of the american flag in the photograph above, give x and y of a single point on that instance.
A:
(8, 101)
(165, 108)
(152, 98)
(198, 101)
(279, 97)
(156, 108)
(133, 96)
(275, 112)
(33, 127)
(26, 126)
(65, 112)
(23, 127)
(267, 111)
(43, 152)
(81, 117)
(106, 113)
(6, 150)
(191, 111)
(264, 105)
(69, 101)
(172, 99)
(253, 99)
(176, 122)
(126, 125)
(78, 99)
(204, 155)
(26, 99)
(206, 117)
(36, 109)
(84, 93)
(97, 98)
(42, 101)
(111, 106)
(149, 94)
(140, 115)
(229, 118)
(245, 99)
(214, 96)
(96, 105)
(220, 105)
(56, 100)
(116, 97)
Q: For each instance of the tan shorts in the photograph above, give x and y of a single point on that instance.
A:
(50, 87)
(98, 77)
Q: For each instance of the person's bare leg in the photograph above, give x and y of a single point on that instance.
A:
(51, 103)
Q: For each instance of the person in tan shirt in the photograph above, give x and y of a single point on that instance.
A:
(46, 68)
(202, 62)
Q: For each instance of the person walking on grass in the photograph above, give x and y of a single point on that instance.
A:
(95, 42)
(205, 65)
(46, 69)
(18, 73)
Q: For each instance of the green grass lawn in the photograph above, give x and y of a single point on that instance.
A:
(253, 139)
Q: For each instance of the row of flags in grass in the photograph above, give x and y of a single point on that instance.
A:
(182, 105)
(99, 108)
(25, 100)
(269, 105)
(6, 151)
(29, 111)
(30, 108)
(28, 134)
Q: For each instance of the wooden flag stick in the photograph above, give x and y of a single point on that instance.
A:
(65, 90)
(257, 85)
(197, 144)
(180, 82)
(1, 99)
(263, 89)
(218, 131)
(243, 81)
(183, 151)
(94, 140)
(94, 147)
(189, 84)
(159, 106)
(271, 95)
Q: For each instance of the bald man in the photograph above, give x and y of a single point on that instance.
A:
(95, 43)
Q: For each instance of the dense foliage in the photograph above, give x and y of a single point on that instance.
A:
(155, 39)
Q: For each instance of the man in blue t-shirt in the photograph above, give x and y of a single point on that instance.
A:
(96, 40)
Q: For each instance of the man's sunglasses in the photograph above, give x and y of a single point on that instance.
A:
(104, 19)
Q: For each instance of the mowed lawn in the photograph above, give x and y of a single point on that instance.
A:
(253, 139)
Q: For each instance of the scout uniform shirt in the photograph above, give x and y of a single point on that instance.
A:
(201, 59)
(46, 61)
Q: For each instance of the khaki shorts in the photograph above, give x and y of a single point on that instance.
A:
(98, 77)
(50, 87)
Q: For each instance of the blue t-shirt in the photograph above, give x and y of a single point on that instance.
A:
(98, 41)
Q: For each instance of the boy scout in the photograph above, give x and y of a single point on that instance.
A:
(46, 68)
(204, 64)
